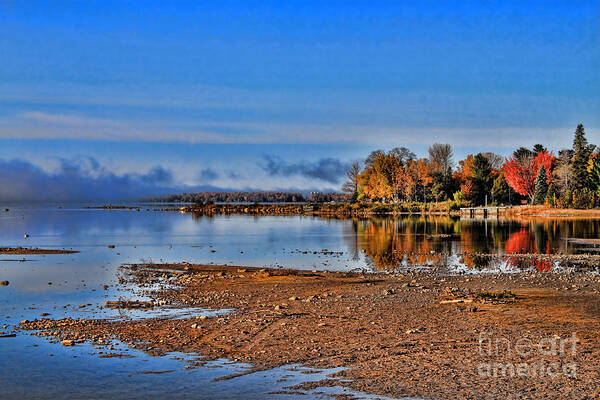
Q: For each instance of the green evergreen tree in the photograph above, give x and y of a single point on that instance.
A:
(541, 186)
(594, 172)
(581, 155)
(481, 178)
(501, 190)
(551, 200)
(522, 153)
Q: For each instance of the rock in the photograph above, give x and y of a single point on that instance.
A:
(202, 317)
(310, 298)
(388, 292)
(293, 298)
(194, 326)
(3, 283)
(26, 236)
(68, 342)
(111, 246)
(25, 321)
(456, 301)
(6, 210)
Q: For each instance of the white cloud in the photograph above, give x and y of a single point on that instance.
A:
(37, 125)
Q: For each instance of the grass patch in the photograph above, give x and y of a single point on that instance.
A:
(496, 297)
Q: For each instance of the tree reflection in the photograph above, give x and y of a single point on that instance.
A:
(390, 242)
(438, 241)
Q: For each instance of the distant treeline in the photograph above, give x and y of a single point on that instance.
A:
(250, 197)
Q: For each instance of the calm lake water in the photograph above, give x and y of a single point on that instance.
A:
(60, 284)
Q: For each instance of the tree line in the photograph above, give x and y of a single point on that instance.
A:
(249, 197)
(570, 178)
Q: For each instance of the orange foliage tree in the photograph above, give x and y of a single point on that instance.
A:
(388, 178)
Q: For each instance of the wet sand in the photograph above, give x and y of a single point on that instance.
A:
(414, 334)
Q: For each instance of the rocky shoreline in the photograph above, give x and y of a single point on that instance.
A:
(341, 210)
(412, 334)
(34, 250)
(350, 210)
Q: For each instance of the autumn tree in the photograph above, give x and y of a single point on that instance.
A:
(402, 154)
(441, 164)
(419, 173)
(475, 176)
(494, 160)
(441, 158)
(380, 181)
(521, 173)
(371, 158)
(461, 177)
(562, 171)
(350, 187)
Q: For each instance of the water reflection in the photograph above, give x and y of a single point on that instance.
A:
(454, 244)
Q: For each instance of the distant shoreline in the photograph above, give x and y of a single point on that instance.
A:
(34, 250)
(350, 209)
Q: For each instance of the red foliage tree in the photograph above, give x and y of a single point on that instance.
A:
(521, 173)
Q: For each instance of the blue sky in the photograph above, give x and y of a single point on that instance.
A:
(211, 91)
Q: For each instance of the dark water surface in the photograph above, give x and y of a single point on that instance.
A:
(61, 284)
